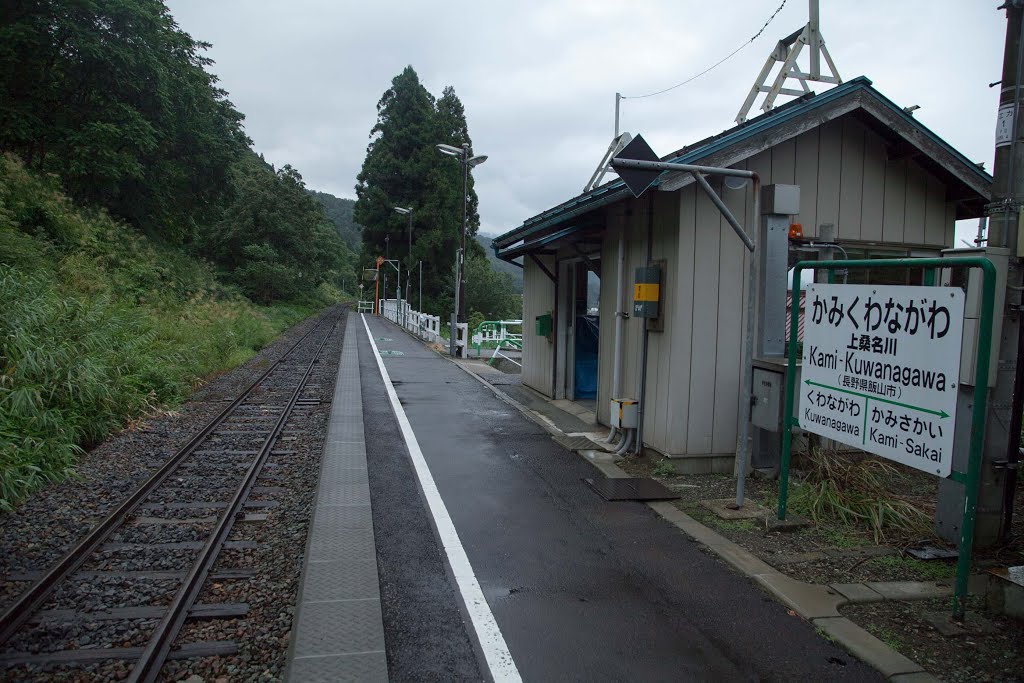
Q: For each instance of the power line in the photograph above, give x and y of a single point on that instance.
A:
(716, 64)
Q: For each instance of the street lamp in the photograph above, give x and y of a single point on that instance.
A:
(408, 264)
(387, 245)
(468, 162)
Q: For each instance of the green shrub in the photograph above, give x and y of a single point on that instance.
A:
(101, 326)
(664, 469)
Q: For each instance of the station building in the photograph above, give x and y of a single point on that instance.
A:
(872, 181)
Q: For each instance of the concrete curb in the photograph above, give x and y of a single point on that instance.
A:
(817, 604)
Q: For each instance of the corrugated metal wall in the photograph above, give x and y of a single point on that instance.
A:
(538, 298)
(694, 366)
(845, 178)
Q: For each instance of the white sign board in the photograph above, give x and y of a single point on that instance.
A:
(880, 370)
(1004, 125)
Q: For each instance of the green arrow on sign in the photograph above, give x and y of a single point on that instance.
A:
(941, 413)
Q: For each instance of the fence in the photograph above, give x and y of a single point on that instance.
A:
(496, 334)
(423, 325)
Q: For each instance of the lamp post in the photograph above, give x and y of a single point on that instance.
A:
(468, 162)
(387, 244)
(408, 263)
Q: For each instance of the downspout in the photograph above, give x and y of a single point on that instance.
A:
(642, 398)
(747, 388)
(620, 321)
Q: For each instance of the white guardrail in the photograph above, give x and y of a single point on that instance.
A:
(423, 325)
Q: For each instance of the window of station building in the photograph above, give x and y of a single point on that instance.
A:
(885, 276)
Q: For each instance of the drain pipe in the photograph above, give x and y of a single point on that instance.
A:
(642, 398)
(620, 321)
(747, 388)
(627, 441)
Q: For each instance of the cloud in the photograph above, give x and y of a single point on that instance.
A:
(538, 78)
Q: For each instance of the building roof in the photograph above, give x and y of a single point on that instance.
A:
(751, 137)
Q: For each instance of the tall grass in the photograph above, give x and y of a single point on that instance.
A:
(856, 492)
(98, 326)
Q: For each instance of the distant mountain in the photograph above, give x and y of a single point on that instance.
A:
(501, 266)
(339, 212)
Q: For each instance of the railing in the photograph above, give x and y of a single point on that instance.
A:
(365, 307)
(425, 326)
(495, 333)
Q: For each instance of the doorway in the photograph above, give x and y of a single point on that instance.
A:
(579, 332)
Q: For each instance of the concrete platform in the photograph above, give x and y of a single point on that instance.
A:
(582, 588)
(338, 633)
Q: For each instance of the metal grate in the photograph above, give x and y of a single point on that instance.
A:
(631, 489)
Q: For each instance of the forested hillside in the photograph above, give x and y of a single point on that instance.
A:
(515, 272)
(143, 244)
(339, 212)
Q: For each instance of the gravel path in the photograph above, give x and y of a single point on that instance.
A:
(47, 524)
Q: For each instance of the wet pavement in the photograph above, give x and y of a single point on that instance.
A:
(581, 589)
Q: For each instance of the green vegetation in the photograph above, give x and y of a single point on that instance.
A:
(888, 637)
(137, 228)
(515, 272)
(914, 569)
(273, 239)
(841, 538)
(735, 524)
(339, 212)
(114, 98)
(100, 325)
(855, 493)
(490, 295)
(664, 468)
(403, 168)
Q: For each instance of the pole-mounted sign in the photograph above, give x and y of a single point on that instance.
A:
(880, 369)
(637, 180)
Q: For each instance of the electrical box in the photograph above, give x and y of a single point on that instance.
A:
(780, 199)
(766, 411)
(542, 325)
(624, 413)
(970, 280)
(647, 291)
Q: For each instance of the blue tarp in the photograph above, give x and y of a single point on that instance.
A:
(586, 356)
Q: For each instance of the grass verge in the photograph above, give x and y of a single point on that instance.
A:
(100, 326)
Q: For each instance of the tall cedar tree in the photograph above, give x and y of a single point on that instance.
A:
(404, 168)
(114, 98)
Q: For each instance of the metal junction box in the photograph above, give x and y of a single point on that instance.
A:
(624, 413)
(971, 281)
(766, 411)
(646, 291)
(542, 325)
(780, 199)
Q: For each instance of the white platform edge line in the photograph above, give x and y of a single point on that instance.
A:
(492, 643)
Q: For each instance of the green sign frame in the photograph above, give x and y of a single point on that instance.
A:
(968, 479)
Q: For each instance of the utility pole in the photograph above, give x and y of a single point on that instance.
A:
(462, 252)
(1002, 431)
(408, 273)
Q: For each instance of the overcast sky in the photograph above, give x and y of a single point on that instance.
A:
(538, 79)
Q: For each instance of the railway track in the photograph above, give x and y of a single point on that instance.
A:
(158, 547)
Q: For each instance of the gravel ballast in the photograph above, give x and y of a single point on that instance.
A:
(268, 540)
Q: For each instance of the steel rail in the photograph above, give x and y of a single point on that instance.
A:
(152, 659)
(30, 600)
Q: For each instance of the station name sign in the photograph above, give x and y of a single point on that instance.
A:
(881, 365)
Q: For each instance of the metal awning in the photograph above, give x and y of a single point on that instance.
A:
(539, 243)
